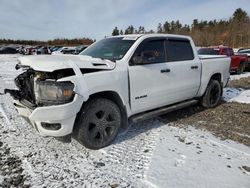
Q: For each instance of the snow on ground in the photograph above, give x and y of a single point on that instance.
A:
(237, 77)
(191, 158)
(150, 154)
(8, 71)
(236, 95)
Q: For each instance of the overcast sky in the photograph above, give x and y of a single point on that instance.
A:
(49, 19)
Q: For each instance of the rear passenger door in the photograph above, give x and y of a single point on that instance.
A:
(184, 78)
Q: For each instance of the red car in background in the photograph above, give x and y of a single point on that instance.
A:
(30, 51)
(238, 62)
(245, 51)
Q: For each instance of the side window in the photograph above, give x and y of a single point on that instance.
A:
(179, 50)
(151, 52)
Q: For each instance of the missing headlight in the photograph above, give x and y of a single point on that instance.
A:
(53, 93)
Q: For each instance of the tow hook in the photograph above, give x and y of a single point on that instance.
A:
(14, 93)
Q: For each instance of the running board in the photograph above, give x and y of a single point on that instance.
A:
(160, 111)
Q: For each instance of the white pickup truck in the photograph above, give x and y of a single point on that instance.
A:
(92, 96)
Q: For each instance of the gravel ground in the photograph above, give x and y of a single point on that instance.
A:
(11, 169)
(47, 162)
(227, 121)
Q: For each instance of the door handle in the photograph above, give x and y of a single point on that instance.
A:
(194, 67)
(165, 70)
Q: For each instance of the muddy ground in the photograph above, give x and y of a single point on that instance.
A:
(227, 121)
(241, 83)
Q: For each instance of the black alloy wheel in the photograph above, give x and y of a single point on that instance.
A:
(212, 94)
(99, 123)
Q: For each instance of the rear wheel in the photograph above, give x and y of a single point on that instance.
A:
(98, 123)
(212, 95)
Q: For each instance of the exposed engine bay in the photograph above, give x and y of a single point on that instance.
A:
(37, 88)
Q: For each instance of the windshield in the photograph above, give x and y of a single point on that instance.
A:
(110, 48)
(209, 51)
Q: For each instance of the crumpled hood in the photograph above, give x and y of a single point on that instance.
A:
(50, 63)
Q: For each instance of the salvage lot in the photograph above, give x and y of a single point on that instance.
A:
(175, 150)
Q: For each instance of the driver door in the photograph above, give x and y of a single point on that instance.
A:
(148, 76)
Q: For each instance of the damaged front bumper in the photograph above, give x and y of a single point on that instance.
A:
(47, 101)
(56, 121)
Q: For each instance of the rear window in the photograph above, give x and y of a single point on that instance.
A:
(179, 50)
(209, 51)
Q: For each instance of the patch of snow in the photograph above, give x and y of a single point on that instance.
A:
(2, 112)
(230, 93)
(8, 57)
(237, 77)
(243, 97)
(1, 178)
(236, 95)
(203, 161)
(8, 71)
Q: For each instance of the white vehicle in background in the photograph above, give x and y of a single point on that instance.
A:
(61, 50)
(133, 77)
(235, 50)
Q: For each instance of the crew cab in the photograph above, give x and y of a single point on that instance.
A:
(93, 96)
(238, 62)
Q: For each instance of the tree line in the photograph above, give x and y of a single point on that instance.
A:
(233, 32)
(63, 42)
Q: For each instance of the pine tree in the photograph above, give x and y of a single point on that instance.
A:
(115, 32)
(159, 28)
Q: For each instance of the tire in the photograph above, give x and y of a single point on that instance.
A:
(98, 123)
(212, 94)
(240, 69)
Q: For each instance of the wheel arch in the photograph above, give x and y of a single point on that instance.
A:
(115, 97)
(218, 77)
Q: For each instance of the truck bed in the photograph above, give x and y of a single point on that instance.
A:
(208, 63)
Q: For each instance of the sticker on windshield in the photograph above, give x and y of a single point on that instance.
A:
(130, 38)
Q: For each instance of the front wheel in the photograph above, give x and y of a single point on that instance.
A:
(98, 123)
(212, 94)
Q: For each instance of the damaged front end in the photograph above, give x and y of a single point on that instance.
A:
(42, 98)
(37, 89)
(25, 84)
(49, 94)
